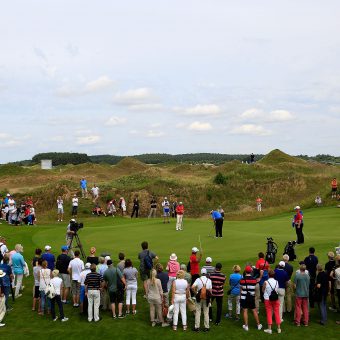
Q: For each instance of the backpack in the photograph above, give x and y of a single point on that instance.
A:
(50, 291)
(273, 295)
(203, 292)
(148, 264)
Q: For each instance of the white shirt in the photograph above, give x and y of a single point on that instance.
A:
(83, 276)
(271, 285)
(75, 201)
(203, 280)
(337, 278)
(45, 278)
(3, 249)
(60, 204)
(57, 282)
(165, 204)
(180, 286)
(76, 265)
(11, 204)
(95, 191)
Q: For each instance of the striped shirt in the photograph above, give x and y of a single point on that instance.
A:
(248, 283)
(218, 280)
(93, 280)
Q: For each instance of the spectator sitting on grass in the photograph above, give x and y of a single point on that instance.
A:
(97, 210)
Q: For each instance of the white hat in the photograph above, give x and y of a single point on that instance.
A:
(173, 257)
(88, 265)
(8, 195)
(203, 271)
(107, 258)
(72, 220)
(208, 259)
(2, 273)
(297, 207)
(165, 198)
(180, 202)
(48, 247)
(194, 249)
(282, 264)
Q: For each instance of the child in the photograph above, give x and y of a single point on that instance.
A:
(36, 294)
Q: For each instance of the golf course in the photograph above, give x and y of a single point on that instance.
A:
(241, 242)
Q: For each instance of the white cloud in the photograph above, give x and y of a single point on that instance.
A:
(252, 114)
(199, 126)
(134, 96)
(12, 143)
(258, 115)
(251, 129)
(87, 140)
(114, 120)
(154, 134)
(133, 132)
(57, 139)
(145, 107)
(280, 116)
(101, 83)
(200, 110)
(81, 132)
(180, 125)
(66, 91)
(4, 135)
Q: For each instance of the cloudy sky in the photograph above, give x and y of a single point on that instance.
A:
(129, 77)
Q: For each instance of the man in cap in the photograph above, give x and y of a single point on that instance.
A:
(83, 275)
(179, 214)
(247, 285)
(195, 263)
(69, 232)
(218, 222)
(298, 224)
(210, 269)
(75, 267)
(282, 278)
(63, 260)
(202, 300)
(48, 257)
(75, 202)
(166, 210)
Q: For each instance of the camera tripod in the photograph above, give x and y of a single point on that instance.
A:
(78, 244)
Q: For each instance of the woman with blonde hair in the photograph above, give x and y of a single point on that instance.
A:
(234, 292)
(44, 280)
(180, 294)
(154, 293)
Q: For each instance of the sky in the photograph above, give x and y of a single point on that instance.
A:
(171, 76)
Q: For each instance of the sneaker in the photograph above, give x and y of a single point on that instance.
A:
(2, 324)
(121, 316)
(196, 330)
(237, 319)
(206, 329)
(114, 316)
(64, 319)
(127, 312)
(269, 331)
(17, 296)
(279, 330)
(259, 327)
(134, 312)
(332, 309)
(174, 328)
(245, 327)
(153, 324)
(165, 324)
(55, 319)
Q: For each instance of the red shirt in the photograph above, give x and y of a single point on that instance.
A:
(334, 183)
(180, 209)
(297, 217)
(262, 264)
(194, 265)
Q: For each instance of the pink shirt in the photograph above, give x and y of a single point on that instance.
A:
(173, 267)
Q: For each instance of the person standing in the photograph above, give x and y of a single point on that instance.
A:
(122, 206)
(180, 294)
(195, 263)
(271, 302)
(208, 266)
(259, 203)
(321, 293)
(75, 267)
(95, 193)
(329, 267)
(75, 206)
(282, 278)
(166, 210)
(92, 258)
(18, 265)
(202, 284)
(93, 283)
(234, 293)
(83, 187)
(48, 257)
(179, 214)
(130, 274)
(218, 222)
(63, 261)
(44, 280)
(334, 185)
(60, 209)
(298, 224)
(57, 283)
(301, 284)
(172, 267)
(217, 280)
(289, 286)
(135, 207)
(6, 280)
(164, 278)
(311, 262)
(247, 285)
(153, 208)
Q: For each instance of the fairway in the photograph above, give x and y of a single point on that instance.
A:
(241, 242)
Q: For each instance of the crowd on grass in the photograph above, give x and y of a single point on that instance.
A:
(172, 289)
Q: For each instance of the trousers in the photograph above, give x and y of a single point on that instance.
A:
(93, 297)
(180, 306)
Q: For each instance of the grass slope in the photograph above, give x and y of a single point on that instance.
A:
(241, 242)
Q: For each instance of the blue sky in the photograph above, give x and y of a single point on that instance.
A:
(130, 77)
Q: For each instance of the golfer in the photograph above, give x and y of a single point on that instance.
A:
(218, 222)
(179, 214)
(298, 224)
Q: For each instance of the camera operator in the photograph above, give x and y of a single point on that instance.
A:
(70, 232)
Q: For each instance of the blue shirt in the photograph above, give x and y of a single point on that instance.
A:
(83, 183)
(6, 281)
(18, 263)
(50, 260)
(282, 277)
(234, 281)
(216, 215)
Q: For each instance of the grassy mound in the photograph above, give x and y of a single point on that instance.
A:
(276, 157)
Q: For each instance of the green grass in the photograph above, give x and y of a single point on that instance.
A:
(241, 242)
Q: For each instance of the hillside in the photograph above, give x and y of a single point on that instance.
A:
(281, 180)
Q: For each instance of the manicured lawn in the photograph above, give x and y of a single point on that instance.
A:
(241, 242)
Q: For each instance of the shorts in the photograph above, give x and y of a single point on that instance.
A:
(82, 294)
(116, 297)
(75, 287)
(334, 189)
(166, 211)
(74, 210)
(145, 275)
(60, 210)
(248, 304)
(66, 280)
(36, 292)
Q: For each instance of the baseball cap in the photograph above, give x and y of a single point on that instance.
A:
(72, 220)
(87, 265)
(297, 207)
(180, 202)
(107, 258)
(64, 248)
(208, 259)
(48, 247)
(8, 195)
(194, 249)
(282, 264)
(248, 269)
(203, 271)
(109, 262)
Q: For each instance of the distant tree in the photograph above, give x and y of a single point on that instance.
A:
(220, 179)
(62, 158)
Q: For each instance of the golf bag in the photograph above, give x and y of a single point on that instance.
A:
(271, 250)
(290, 251)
